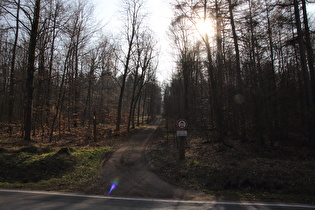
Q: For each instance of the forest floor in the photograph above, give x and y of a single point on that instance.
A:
(82, 166)
(239, 172)
(144, 163)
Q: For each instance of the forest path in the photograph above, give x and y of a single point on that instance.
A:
(129, 167)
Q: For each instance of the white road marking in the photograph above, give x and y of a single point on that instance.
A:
(306, 206)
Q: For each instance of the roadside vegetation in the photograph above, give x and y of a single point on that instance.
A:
(241, 171)
(72, 164)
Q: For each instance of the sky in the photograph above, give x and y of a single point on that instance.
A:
(160, 15)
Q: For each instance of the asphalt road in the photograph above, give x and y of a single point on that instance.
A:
(12, 199)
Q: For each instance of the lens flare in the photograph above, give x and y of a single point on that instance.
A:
(113, 186)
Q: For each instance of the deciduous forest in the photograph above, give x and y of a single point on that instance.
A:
(72, 92)
(60, 70)
(250, 76)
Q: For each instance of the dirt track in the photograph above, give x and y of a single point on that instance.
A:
(129, 167)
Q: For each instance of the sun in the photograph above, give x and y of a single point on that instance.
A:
(205, 27)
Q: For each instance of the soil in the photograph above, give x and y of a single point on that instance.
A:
(129, 167)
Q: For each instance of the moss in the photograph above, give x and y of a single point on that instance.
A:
(65, 151)
(27, 167)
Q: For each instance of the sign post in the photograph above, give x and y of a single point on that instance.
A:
(181, 125)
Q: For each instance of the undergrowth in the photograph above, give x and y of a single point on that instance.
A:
(71, 162)
(59, 169)
(239, 172)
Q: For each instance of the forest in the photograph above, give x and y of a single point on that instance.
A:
(72, 93)
(250, 76)
(61, 70)
(244, 69)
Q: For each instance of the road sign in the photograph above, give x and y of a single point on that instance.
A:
(181, 124)
(181, 133)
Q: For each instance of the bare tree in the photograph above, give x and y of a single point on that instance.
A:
(12, 73)
(246, 94)
(302, 53)
(144, 71)
(134, 15)
(30, 72)
(309, 50)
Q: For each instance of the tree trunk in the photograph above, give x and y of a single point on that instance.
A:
(87, 107)
(60, 99)
(236, 47)
(12, 74)
(139, 109)
(94, 127)
(219, 72)
(76, 81)
(302, 54)
(121, 96)
(30, 73)
(133, 98)
(130, 38)
(310, 52)
(51, 63)
(310, 55)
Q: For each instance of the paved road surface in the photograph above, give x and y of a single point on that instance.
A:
(15, 200)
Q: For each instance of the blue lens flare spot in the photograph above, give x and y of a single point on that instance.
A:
(113, 186)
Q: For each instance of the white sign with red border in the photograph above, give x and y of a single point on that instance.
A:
(182, 124)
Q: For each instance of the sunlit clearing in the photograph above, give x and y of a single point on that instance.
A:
(205, 27)
(113, 186)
